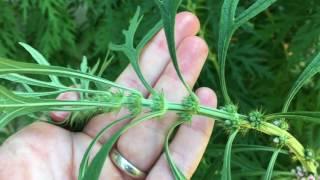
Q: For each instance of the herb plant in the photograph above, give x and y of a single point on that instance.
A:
(39, 92)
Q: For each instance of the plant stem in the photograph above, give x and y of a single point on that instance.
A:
(291, 142)
(267, 128)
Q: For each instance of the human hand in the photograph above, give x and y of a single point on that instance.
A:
(44, 151)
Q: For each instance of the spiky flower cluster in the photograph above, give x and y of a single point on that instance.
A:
(310, 156)
(191, 106)
(134, 104)
(280, 141)
(158, 103)
(255, 118)
(235, 121)
(281, 123)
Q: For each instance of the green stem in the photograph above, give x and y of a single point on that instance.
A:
(267, 128)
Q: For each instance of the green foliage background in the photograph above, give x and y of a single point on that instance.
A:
(265, 57)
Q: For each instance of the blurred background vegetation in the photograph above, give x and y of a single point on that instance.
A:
(265, 57)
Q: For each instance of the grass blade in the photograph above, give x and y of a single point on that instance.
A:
(272, 162)
(226, 169)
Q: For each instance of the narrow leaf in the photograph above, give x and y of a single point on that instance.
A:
(253, 10)
(9, 115)
(226, 169)
(309, 116)
(84, 69)
(38, 94)
(238, 148)
(30, 81)
(150, 34)
(177, 173)
(85, 159)
(168, 10)
(268, 175)
(9, 66)
(312, 69)
(229, 23)
(226, 30)
(94, 170)
(38, 57)
(106, 62)
(9, 100)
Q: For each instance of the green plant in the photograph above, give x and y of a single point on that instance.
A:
(39, 92)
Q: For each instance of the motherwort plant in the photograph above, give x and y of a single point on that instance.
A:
(98, 95)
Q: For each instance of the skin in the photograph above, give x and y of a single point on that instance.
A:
(44, 151)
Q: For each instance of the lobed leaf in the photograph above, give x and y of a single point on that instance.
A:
(229, 23)
(132, 52)
(150, 34)
(168, 10)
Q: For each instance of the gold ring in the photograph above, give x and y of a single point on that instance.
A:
(124, 165)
